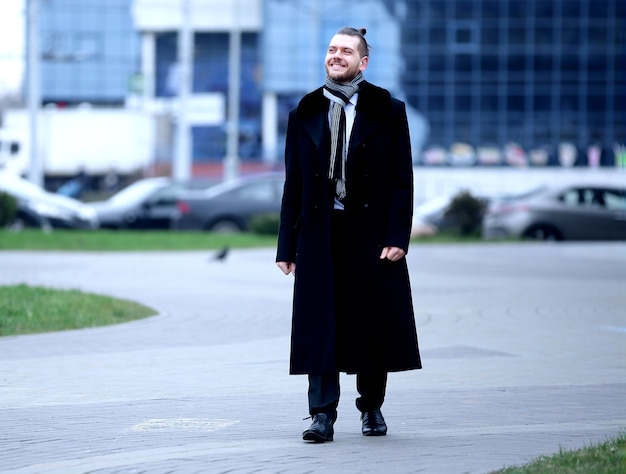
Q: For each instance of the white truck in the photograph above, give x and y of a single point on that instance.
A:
(72, 141)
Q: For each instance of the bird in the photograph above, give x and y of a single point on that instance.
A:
(221, 255)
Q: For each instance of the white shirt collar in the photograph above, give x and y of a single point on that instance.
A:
(354, 98)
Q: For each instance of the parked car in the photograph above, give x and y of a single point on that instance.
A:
(231, 205)
(38, 208)
(571, 212)
(148, 203)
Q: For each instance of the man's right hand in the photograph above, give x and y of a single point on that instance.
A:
(287, 267)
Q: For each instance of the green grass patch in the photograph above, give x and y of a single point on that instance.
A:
(29, 309)
(124, 240)
(603, 458)
(113, 240)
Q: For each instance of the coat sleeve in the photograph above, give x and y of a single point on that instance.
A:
(291, 207)
(401, 186)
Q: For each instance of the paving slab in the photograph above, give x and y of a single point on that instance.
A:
(523, 347)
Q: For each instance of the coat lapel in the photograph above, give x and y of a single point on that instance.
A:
(372, 112)
(313, 113)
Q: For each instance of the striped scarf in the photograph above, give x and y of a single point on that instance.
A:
(339, 94)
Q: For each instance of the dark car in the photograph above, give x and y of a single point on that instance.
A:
(231, 205)
(570, 212)
(148, 203)
(38, 208)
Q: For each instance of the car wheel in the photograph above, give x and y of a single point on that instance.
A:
(543, 232)
(226, 226)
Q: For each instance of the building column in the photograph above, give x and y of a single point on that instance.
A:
(148, 66)
(269, 125)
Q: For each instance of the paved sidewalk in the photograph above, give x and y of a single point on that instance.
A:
(524, 351)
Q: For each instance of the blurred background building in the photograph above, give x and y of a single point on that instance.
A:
(90, 52)
(536, 73)
(534, 83)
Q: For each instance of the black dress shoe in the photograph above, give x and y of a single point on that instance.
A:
(373, 423)
(321, 429)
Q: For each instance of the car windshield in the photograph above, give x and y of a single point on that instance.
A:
(135, 192)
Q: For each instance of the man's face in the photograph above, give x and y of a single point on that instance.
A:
(343, 61)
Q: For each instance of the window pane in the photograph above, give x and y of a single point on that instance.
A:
(570, 37)
(489, 103)
(489, 36)
(436, 102)
(436, 63)
(517, 36)
(489, 63)
(597, 36)
(437, 35)
(544, 10)
(570, 63)
(544, 36)
(516, 65)
(437, 9)
(491, 9)
(571, 9)
(463, 64)
(543, 63)
(463, 103)
(541, 103)
(464, 9)
(599, 9)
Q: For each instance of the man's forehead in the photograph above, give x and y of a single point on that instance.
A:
(344, 41)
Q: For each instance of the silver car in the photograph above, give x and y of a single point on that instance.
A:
(570, 212)
(146, 204)
(230, 206)
(38, 208)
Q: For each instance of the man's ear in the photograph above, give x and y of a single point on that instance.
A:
(364, 62)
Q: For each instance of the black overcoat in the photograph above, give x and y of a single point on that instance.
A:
(378, 332)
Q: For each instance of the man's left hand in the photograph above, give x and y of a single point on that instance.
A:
(392, 253)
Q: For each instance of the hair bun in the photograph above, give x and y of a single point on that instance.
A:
(362, 31)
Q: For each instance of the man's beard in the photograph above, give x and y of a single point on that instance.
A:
(344, 77)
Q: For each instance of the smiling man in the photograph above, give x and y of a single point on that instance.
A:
(345, 225)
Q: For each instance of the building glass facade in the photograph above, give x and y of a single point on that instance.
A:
(210, 74)
(90, 51)
(534, 72)
(488, 74)
(485, 73)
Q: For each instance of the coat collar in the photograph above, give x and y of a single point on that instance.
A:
(373, 110)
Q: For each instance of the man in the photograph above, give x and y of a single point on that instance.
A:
(345, 225)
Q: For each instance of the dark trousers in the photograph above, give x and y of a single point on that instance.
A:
(324, 392)
(324, 389)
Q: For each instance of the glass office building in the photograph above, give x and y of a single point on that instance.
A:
(484, 73)
(534, 72)
(90, 51)
(210, 75)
